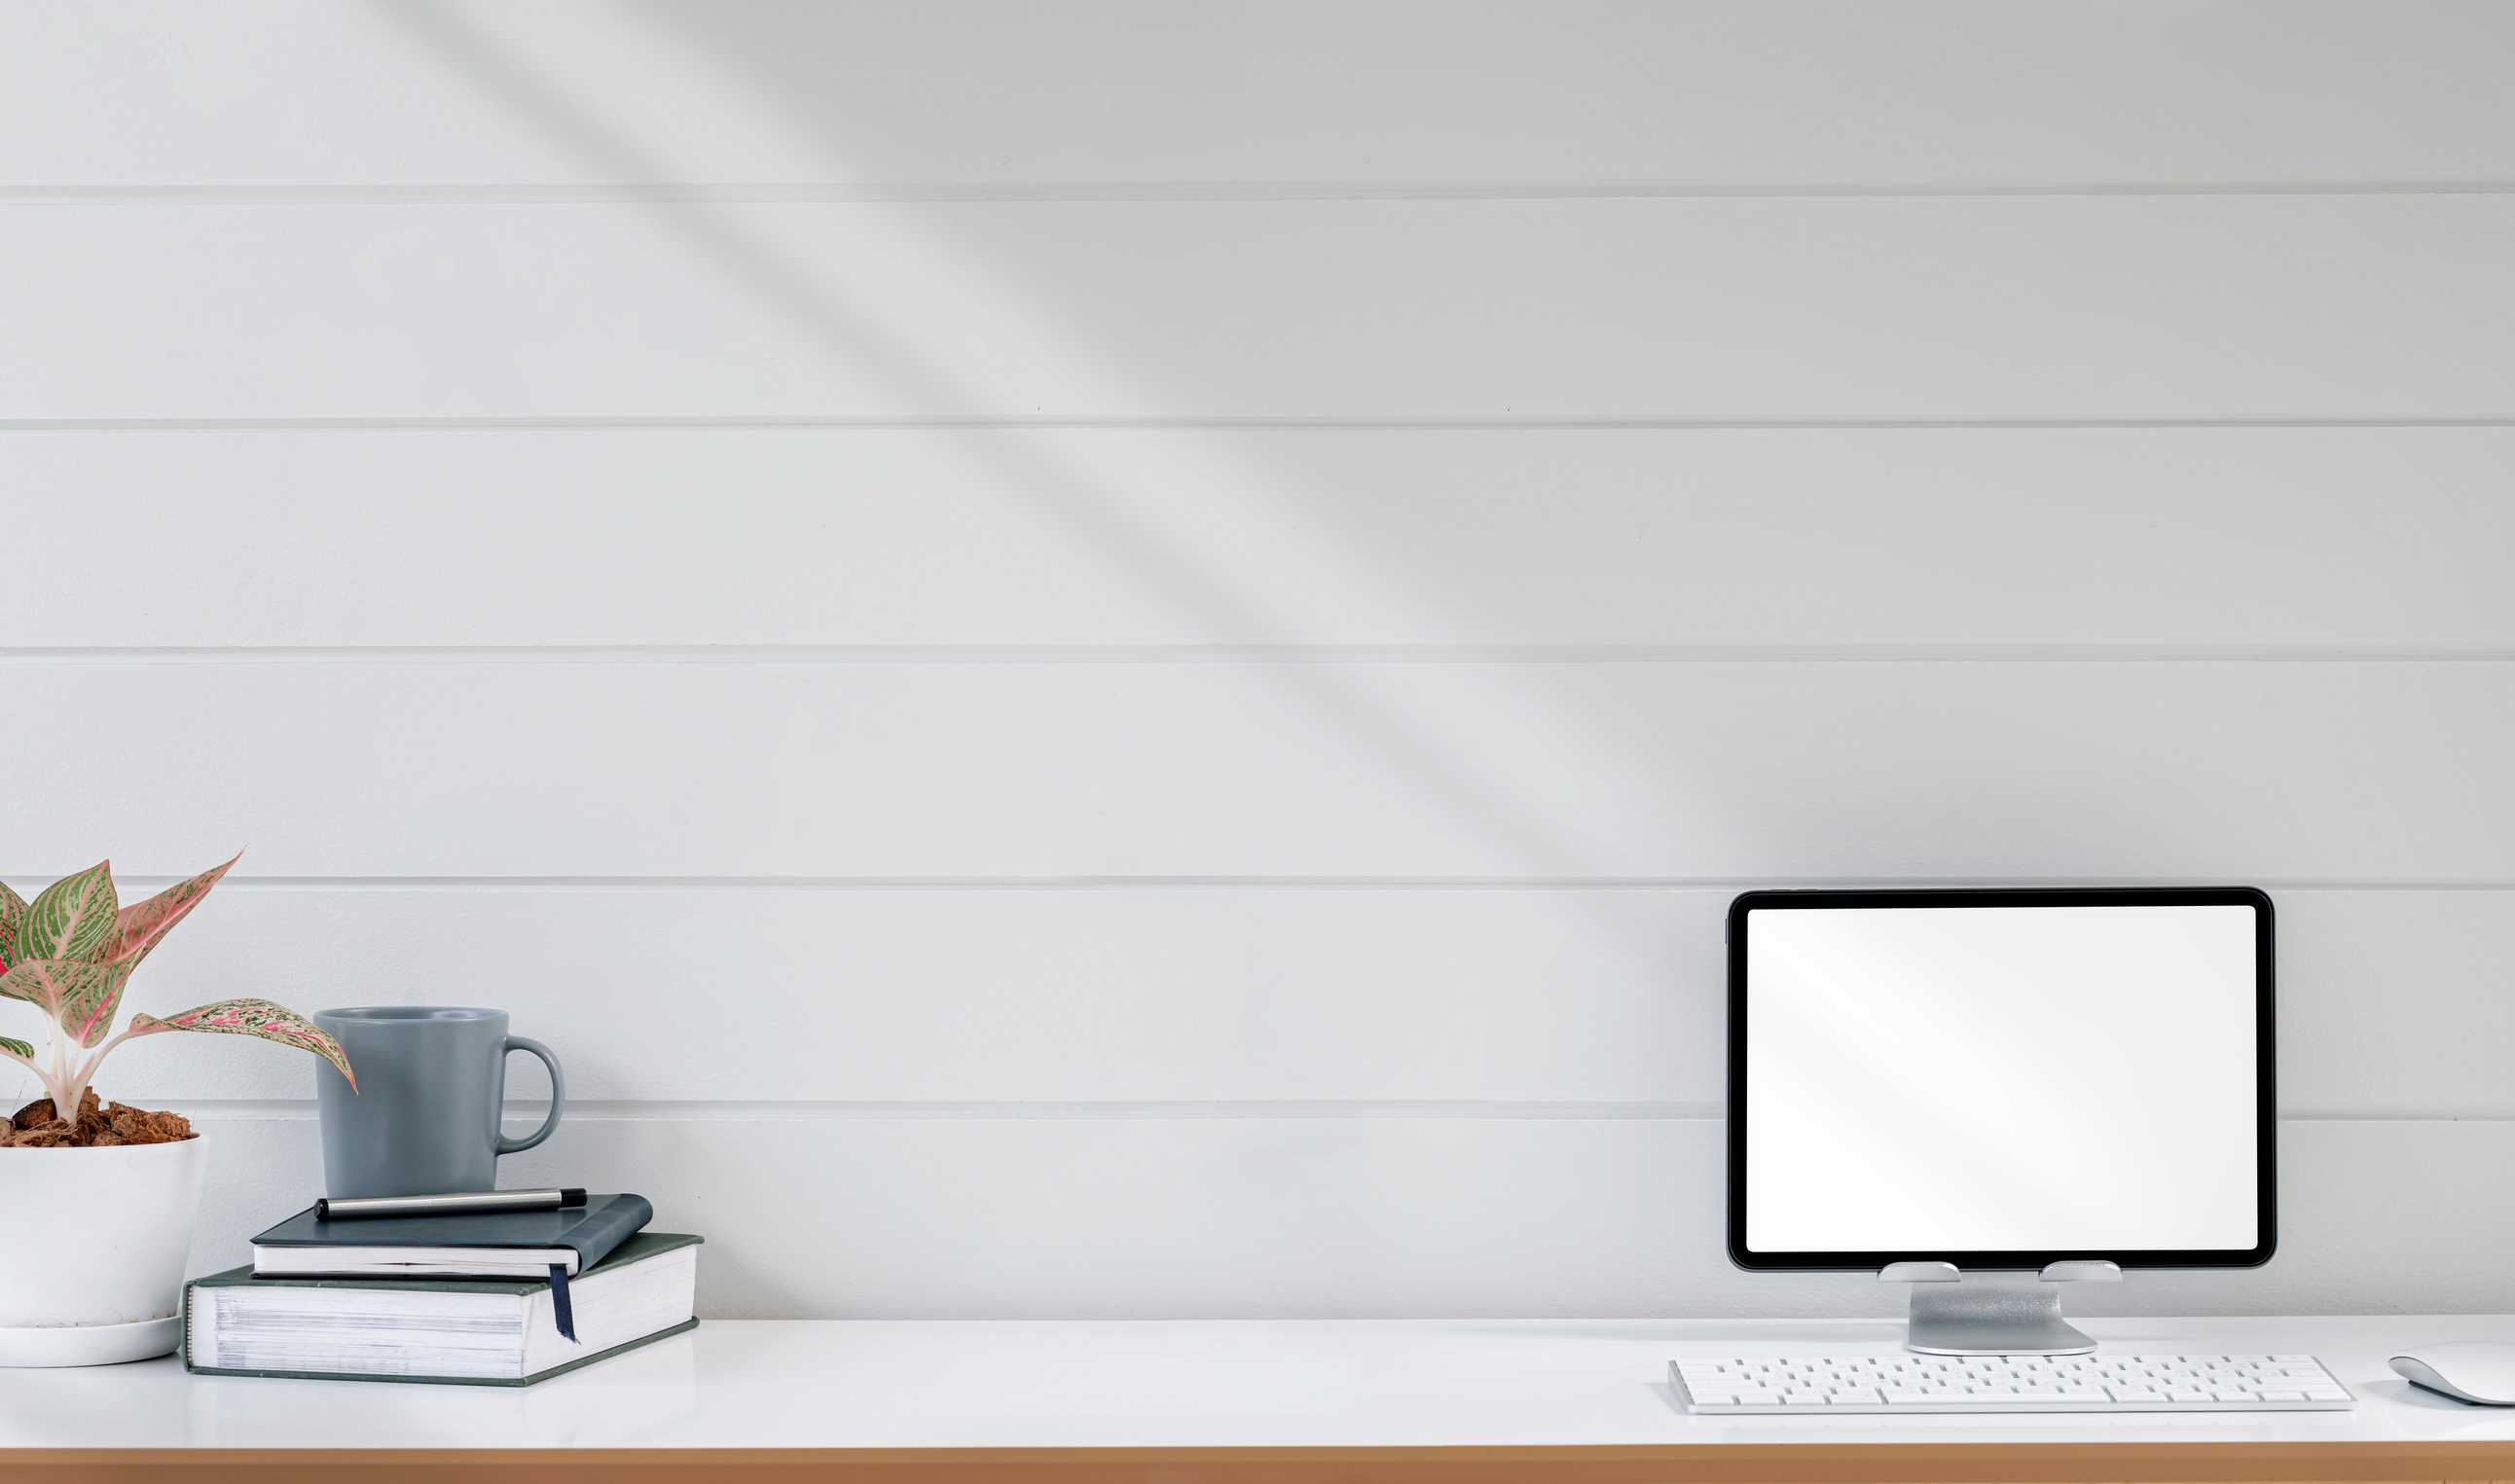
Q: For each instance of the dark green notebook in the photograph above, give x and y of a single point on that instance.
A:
(449, 1331)
(304, 1247)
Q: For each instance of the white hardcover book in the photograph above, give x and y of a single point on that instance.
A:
(482, 1331)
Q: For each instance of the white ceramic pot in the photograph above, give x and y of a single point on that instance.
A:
(91, 1251)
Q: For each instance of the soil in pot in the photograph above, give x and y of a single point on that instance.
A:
(36, 1125)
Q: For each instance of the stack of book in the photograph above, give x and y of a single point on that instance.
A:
(503, 1299)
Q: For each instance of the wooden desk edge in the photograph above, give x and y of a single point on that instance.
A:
(1682, 1463)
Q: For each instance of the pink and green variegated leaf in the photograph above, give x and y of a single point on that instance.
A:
(80, 996)
(12, 911)
(33, 983)
(63, 985)
(11, 1042)
(73, 918)
(253, 1017)
(137, 927)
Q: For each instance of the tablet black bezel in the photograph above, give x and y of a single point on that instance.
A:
(2264, 1113)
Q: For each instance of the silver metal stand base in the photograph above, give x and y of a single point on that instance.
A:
(1954, 1314)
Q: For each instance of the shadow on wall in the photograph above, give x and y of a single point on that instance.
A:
(1527, 767)
(833, 293)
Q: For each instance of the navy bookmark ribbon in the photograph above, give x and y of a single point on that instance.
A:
(560, 1303)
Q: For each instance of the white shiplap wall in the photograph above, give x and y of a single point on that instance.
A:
(1180, 619)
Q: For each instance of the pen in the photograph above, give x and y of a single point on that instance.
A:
(356, 1208)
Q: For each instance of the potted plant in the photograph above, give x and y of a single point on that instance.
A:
(100, 1199)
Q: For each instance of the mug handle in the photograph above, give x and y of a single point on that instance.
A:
(558, 1095)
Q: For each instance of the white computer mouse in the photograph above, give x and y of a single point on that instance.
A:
(2479, 1370)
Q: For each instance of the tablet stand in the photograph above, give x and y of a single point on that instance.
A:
(1955, 1313)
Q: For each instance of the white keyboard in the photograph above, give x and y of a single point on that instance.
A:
(1795, 1385)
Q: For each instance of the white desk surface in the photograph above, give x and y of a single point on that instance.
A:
(763, 1383)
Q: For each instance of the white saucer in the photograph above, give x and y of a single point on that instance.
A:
(89, 1344)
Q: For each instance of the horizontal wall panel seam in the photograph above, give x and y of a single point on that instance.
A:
(1214, 422)
(1015, 193)
(1254, 655)
(664, 1111)
(1532, 883)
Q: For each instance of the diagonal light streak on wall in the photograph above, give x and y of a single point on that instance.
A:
(1114, 503)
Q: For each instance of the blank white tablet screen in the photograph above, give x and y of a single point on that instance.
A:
(2000, 1079)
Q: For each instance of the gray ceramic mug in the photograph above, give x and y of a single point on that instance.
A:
(424, 1119)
